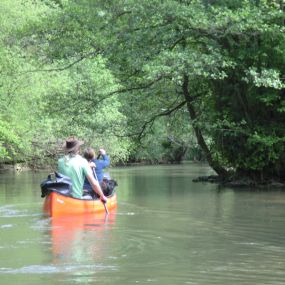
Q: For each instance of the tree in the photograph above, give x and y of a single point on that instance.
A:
(18, 97)
(223, 59)
(49, 86)
(155, 68)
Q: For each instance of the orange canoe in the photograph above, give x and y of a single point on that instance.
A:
(56, 205)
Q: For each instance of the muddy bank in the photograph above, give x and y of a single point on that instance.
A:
(241, 182)
(14, 167)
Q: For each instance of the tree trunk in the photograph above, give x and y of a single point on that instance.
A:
(221, 171)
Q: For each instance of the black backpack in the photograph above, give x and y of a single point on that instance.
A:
(56, 182)
(108, 186)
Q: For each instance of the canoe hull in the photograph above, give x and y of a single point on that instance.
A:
(56, 204)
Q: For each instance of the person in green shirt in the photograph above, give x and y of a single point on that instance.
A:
(77, 168)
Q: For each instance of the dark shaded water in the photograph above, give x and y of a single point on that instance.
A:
(167, 230)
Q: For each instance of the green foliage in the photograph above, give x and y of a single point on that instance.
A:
(232, 53)
(163, 144)
(136, 77)
(10, 143)
(49, 87)
(252, 91)
(17, 96)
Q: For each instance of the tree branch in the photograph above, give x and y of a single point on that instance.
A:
(81, 58)
(162, 114)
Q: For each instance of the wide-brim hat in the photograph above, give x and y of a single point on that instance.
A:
(72, 144)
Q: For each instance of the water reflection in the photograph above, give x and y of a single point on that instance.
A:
(81, 238)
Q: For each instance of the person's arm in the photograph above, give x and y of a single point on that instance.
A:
(105, 162)
(96, 186)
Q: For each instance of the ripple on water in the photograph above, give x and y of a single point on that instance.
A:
(50, 269)
(10, 211)
(41, 224)
(6, 226)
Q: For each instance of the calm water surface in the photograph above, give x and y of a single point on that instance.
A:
(167, 230)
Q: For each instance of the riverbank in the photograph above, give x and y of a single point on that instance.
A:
(18, 167)
(240, 182)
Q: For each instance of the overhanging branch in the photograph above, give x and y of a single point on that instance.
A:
(81, 58)
(151, 121)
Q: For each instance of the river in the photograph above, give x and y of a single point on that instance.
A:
(167, 230)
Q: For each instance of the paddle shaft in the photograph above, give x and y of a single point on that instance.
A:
(106, 209)
(104, 203)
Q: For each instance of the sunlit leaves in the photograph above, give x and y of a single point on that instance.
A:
(110, 69)
(269, 78)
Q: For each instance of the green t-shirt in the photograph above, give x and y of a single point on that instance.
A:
(76, 167)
